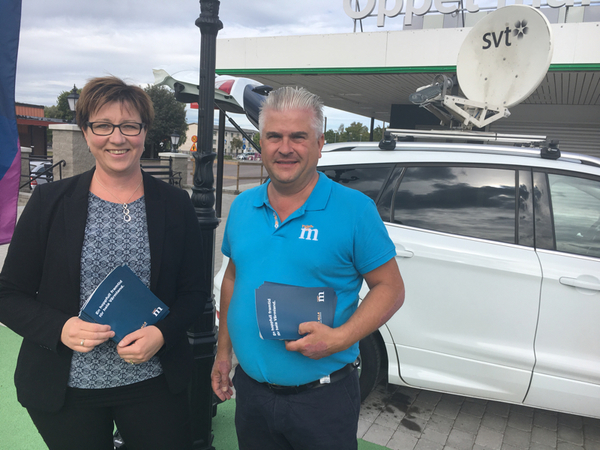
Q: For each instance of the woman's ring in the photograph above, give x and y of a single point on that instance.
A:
(131, 361)
(82, 342)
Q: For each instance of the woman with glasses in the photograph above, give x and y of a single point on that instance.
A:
(75, 382)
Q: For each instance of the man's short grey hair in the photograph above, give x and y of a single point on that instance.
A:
(287, 98)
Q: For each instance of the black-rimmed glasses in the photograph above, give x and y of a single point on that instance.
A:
(106, 129)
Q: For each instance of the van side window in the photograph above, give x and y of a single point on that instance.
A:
(576, 214)
(470, 201)
(368, 180)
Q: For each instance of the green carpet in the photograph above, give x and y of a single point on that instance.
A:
(16, 429)
(17, 432)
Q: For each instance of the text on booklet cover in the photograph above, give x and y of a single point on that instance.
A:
(281, 308)
(124, 302)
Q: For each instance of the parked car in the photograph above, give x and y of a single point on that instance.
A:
(40, 172)
(249, 156)
(499, 248)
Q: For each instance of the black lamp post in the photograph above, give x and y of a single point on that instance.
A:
(72, 99)
(174, 141)
(202, 334)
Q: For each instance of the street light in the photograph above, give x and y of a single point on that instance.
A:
(202, 334)
(72, 98)
(174, 141)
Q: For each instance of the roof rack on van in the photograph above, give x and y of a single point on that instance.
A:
(539, 146)
(465, 136)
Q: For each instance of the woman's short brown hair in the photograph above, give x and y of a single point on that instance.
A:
(103, 90)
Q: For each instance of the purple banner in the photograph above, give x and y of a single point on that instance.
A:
(10, 159)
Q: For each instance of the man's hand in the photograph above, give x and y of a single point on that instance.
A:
(221, 383)
(318, 341)
(83, 336)
(141, 345)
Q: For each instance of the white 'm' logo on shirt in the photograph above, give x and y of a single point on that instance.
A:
(309, 233)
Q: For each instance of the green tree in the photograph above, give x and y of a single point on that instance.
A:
(169, 116)
(377, 133)
(61, 110)
(357, 132)
(236, 144)
(331, 137)
(256, 140)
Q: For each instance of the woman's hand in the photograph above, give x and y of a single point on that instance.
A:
(141, 345)
(83, 336)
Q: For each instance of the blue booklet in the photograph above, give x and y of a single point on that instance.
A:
(124, 302)
(281, 308)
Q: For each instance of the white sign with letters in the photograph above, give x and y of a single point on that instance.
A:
(392, 8)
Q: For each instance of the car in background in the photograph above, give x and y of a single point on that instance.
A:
(249, 156)
(40, 172)
(499, 248)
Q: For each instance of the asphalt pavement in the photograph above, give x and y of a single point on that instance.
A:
(404, 418)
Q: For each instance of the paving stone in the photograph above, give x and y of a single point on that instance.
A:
(434, 436)
(425, 444)
(495, 422)
(544, 436)
(592, 430)
(570, 420)
(458, 399)
(474, 408)
(369, 413)
(520, 421)
(525, 410)
(390, 419)
(537, 446)
(413, 426)
(517, 438)
(448, 408)
(498, 408)
(363, 426)
(429, 398)
(378, 434)
(402, 440)
(568, 434)
(409, 419)
(562, 445)
(506, 446)
(489, 438)
(591, 445)
(440, 424)
(546, 419)
(460, 440)
(467, 422)
(420, 411)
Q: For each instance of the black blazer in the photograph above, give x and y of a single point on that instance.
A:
(40, 280)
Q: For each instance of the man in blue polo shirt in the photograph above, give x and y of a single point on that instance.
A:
(300, 229)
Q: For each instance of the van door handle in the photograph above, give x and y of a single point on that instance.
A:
(574, 282)
(401, 252)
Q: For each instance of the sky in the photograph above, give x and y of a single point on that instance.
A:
(66, 42)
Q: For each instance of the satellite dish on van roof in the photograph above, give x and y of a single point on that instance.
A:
(505, 56)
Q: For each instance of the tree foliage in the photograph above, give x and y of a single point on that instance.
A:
(61, 109)
(169, 117)
(356, 132)
(236, 144)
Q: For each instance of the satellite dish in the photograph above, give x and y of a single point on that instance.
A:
(505, 56)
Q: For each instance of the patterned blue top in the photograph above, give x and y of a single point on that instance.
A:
(109, 242)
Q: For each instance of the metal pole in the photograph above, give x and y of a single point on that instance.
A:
(202, 334)
(220, 161)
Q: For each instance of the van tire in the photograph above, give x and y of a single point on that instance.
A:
(369, 364)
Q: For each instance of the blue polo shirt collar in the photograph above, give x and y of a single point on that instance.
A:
(316, 201)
